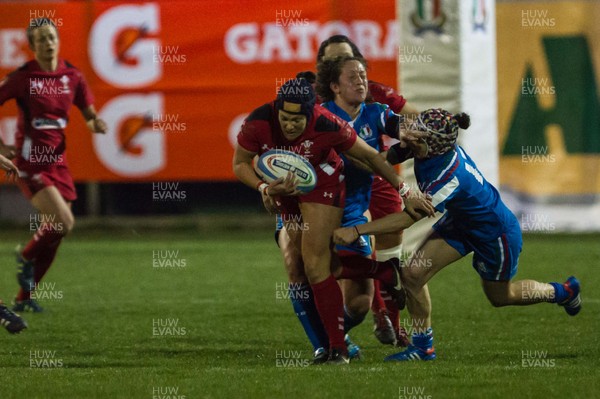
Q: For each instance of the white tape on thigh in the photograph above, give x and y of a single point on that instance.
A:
(389, 253)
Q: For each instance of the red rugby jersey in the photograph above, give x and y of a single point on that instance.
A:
(44, 100)
(325, 136)
(386, 95)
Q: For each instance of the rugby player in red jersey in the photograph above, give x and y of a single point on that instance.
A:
(293, 122)
(44, 89)
(359, 296)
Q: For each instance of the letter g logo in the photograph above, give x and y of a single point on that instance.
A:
(121, 50)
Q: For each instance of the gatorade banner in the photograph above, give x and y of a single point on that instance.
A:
(175, 79)
(549, 115)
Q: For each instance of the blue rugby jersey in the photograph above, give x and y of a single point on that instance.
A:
(373, 121)
(370, 125)
(459, 188)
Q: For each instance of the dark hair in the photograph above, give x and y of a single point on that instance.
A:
(329, 71)
(463, 120)
(337, 39)
(308, 75)
(38, 23)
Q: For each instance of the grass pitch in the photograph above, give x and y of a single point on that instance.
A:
(190, 315)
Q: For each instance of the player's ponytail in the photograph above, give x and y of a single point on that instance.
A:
(463, 120)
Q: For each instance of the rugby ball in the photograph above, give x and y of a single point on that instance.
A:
(274, 164)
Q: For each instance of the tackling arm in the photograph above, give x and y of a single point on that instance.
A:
(388, 224)
(372, 159)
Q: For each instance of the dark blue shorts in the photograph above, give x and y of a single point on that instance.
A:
(494, 258)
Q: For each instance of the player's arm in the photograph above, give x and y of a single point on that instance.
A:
(359, 164)
(11, 170)
(370, 157)
(388, 224)
(9, 89)
(409, 110)
(404, 150)
(8, 151)
(95, 124)
(401, 128)
(367, 154)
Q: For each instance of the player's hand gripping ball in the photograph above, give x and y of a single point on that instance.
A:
(274, 164)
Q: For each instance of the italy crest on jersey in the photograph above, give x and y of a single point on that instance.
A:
(365, 132)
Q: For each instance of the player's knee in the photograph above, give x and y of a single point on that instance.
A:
(295, 273)
(359, 307)
(412, 279)
(499, 302)
(67, 224)
(315, 270)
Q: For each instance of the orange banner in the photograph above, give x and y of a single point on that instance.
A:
(175, 79)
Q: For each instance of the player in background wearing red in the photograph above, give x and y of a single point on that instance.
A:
(294, 123)
(44, 89)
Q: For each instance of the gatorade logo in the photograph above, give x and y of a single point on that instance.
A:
(121, 45)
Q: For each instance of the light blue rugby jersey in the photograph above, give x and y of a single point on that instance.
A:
(459, 188)
(370, 125)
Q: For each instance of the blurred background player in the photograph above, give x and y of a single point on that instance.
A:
(8, 319)
(44, 89)
(12, 322)
(294, 118)
(475, 220)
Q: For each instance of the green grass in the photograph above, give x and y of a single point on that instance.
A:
(231, 327)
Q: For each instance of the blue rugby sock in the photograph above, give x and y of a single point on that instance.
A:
(304, 306)
(560, 294)
(423, 340)
(351, 321)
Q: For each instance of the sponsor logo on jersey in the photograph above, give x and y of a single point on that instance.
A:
(46, 123)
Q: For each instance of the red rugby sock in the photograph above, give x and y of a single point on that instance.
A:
(330, 304)
(43, 238)
(356, 267)
(41, 249)
(378, 302)
(392, 308)
(22, 295)
(44, 260)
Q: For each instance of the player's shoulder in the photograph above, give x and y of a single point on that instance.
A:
(376, 107)
(327, 121)
(67, 66)
(263, 113)
(23, 69)
(438, 165)
(378, 89)
(387, 95)
(17, 75)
